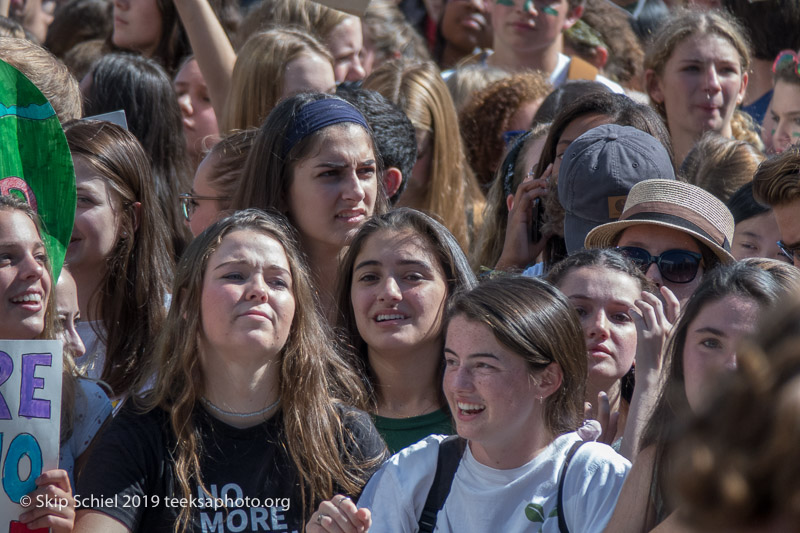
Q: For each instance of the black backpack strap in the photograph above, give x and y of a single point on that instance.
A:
(562, 522)
(450, 451)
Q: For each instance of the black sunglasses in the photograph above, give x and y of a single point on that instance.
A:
(676, 266)
(792, 252)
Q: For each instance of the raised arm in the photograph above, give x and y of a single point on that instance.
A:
(654, 322)
(212, 49)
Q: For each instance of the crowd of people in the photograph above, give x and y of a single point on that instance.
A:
(456, 266)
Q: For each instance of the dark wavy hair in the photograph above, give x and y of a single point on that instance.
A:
(142, 88)
(445, 248)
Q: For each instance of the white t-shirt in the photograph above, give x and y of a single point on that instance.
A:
(485, 499)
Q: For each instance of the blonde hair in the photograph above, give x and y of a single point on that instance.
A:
(258, 75)
(312, 373)
(310, 16)
(721, 165)
(452, 191)
(685, 23)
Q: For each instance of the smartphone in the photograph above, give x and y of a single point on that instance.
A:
(537, 219)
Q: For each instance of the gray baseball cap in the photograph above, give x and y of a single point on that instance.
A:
(598, 171)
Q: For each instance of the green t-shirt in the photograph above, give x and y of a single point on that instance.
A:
(402, 432)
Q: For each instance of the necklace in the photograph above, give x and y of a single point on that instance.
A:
(265, 410)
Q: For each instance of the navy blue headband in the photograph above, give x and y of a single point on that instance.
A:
(320, 114)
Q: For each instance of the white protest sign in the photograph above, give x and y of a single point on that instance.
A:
(354, 7)
(30, 421)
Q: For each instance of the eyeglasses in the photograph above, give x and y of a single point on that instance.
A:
(189, 203)
(786, 58)
(676, 266)
(792, 252)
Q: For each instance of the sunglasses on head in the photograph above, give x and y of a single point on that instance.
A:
(787, 58)
(676, 266)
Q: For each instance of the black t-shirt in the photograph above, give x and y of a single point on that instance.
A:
(252, 483)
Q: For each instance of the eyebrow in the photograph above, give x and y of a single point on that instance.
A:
(329, 164)
(621, 303)
(404, 262)
(713, 331)
(246, 262)
(476, 355)
(751, 234)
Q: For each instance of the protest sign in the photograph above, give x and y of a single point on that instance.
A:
(30, 421)
(35, 163)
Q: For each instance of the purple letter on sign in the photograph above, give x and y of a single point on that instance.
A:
(31, 407)
(6, 368)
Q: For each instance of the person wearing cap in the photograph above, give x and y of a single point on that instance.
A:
(777, 184)
(673, 230)
(597, 172)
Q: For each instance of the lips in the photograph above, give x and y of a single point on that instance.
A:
(389, 316)
(27, 298)
(256, 313)
(468, 411)
(351, 215)
(475, 21)
(599, 351)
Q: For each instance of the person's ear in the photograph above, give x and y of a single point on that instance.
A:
(137, 214)
(510, 202)
(600, 57)
(392, 179)
(742, 89)
(653, 85)
(572, 17)
(550, 379)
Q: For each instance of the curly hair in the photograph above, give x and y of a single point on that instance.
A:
(486, 117)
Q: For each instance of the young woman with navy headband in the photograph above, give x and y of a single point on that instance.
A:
(314, 159)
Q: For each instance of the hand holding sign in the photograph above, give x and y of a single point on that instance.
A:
(52, 502)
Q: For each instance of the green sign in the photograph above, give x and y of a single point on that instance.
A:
(35, 163)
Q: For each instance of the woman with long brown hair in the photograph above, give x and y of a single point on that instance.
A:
(244, 416)
(119, 254)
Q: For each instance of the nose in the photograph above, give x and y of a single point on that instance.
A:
(712, 80)
(31, 269)
(185, 104)
(730, 362)
(356, 70)
(390, 290)
(598, 328)
(353, 188)
(459, 379)
(781, 138)
(73, 342)
(529, 7)
(257, 289)
(121, 4)
(654, 274)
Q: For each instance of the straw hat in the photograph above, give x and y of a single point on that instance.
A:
(676, 205)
